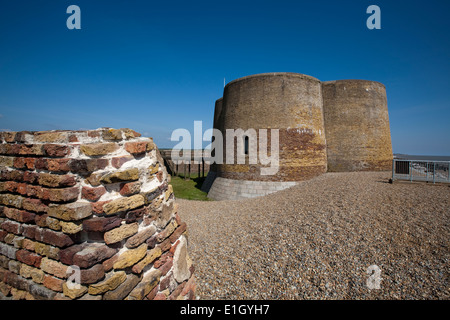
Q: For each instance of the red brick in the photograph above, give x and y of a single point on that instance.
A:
(29, 163)
(92, 194)
(93, 134)
(19, 215)
(130, 188)
(87, 165)
(97, 207)
(30, 177)
(174, 247)
(92, 275)
(29, 231)
(41, 164)
(19, 162)
(138, 147)
(28, 258)
(117, 162)
(101, 224)
(166, 266)
(58, 165)
(35, 205)
(174, 295)
(190, 287)
(60, 195)
(15, 281)
(3, 234)
(160, 296)
(34, 191)
(153, 293)
(21, 188)
(53, 283)
(109, 263)
(24, 163)
(178, 232)
(53, 238)
(166, 257)
(11, 149)
(135, 215)
(56, 150)
(73, 138)
(66, 255)
(32, 149)
(12, 227)
(93, 254)
(10, 186)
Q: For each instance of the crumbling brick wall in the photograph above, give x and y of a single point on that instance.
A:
(89, 215)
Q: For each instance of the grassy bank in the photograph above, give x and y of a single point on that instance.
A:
(189, 189)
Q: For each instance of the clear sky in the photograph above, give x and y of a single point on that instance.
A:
(155, 66)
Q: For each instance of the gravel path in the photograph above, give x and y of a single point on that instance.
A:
(317, 240)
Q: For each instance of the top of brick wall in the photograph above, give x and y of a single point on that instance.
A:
(67, 136)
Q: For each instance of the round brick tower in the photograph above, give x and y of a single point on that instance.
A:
(289, 102)
(357, 126)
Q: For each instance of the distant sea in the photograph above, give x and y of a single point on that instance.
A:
(414, 157)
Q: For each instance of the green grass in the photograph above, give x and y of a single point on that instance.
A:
(189, 189)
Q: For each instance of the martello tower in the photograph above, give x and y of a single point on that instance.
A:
(336, 126)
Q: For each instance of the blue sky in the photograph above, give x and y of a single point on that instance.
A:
(155, 66)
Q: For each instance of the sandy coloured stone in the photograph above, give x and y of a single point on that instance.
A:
(70, 227)
(123, 204)
(53, 223)
(45, 136)
(54, 268)
(121, 233)
(151, 256)
(110, 283)
(112, 134)
(98, 149)
(124, 289)
(74, 291)
(168, 193)
(130, 257)
(168, 230)
(36, 274)
(147, 284)
(153, 169)
(55, 180)
(119, 176)
(181, 262)
(71, 212)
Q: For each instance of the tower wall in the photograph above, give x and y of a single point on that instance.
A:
(357, 126)
(289, 102)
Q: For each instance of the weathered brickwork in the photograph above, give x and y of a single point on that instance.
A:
(357, 126)
(289, 102)
(96, 201)
(336, 126)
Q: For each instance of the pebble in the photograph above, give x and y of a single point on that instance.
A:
(316, 241)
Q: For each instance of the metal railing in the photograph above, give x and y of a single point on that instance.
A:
(421, 170)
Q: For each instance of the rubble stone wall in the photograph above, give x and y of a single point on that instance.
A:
(89, 215)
